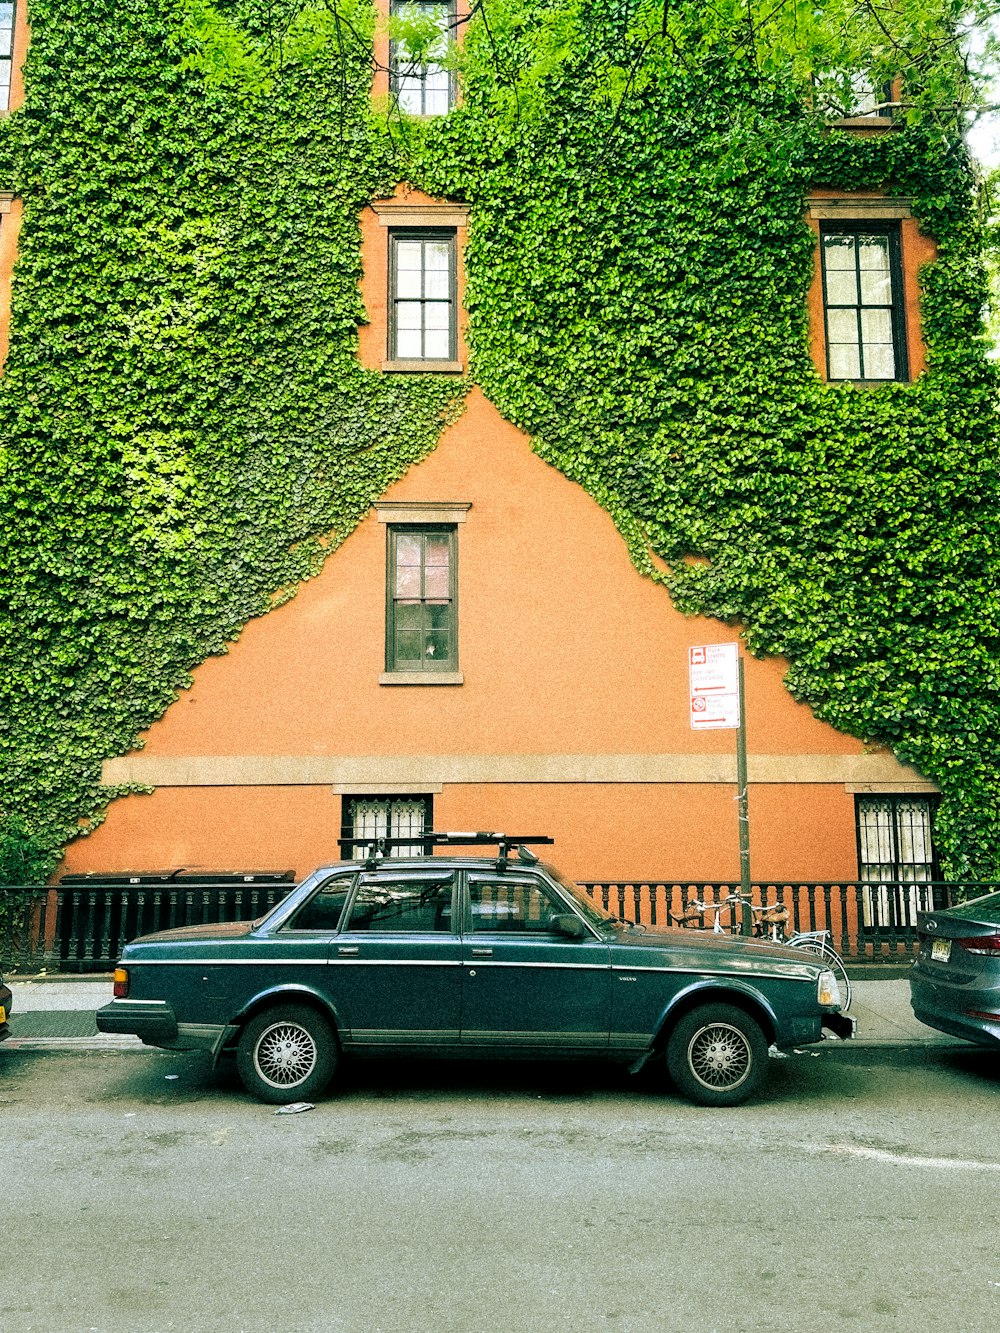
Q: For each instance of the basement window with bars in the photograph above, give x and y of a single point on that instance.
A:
(387, 817)
(896, 859)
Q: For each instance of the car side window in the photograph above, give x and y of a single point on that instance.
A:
(517, 906)
(405, 904)
(325, 908)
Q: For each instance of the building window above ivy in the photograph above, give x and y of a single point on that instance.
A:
(420, 84)
(6, 53)
(862, 301)
(842, 95)
(422, 297)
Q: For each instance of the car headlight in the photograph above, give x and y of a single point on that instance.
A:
(828, 991)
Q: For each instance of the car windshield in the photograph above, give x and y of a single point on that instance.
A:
(594, 912)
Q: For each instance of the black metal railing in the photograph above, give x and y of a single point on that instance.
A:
(868, 921)
(83, 926)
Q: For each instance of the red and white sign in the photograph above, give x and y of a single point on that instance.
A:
(715, 686)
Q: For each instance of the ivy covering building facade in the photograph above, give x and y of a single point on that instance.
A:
(186, 431)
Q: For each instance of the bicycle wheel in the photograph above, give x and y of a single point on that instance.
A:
(833, 961)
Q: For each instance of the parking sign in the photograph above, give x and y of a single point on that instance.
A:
(715, 686)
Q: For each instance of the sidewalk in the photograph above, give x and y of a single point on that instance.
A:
(59, 1012)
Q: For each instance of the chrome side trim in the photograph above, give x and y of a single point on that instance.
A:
(544, 1037)
(293, 962)
(402, 1036)
(478, 962)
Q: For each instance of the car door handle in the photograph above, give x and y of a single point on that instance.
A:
(348, 949)
(482, 953)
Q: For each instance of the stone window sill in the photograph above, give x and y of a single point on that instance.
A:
(426, 367)
(421, 678)
(863, 123)
(867, 384)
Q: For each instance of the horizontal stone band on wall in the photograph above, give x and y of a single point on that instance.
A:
(419, 772)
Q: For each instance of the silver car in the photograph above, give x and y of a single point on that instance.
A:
(955, 982)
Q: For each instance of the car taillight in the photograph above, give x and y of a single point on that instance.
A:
(121, 983)
(988, 944)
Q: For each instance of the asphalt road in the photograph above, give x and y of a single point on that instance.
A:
(142, 1192)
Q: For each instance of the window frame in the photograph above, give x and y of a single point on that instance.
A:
(427, 668)
(396, 7)
(7, 58)
(423, 235)
(858, 228)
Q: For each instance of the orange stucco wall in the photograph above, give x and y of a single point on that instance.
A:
(565, 650)
(917, 250)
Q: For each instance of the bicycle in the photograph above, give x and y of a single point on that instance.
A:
(770, 923)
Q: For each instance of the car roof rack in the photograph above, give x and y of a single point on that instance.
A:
(378, 847)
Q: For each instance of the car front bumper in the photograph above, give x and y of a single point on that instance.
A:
(843, 1026)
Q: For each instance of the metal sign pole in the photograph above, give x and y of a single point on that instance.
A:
(743, 809)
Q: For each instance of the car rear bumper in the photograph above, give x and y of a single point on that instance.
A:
(155, 1024)
(152, 1021)
(961, 1011)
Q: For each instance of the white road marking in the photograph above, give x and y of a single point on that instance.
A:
(908, 1159)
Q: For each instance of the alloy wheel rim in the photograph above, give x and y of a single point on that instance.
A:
(720, 1056)
(285, 1055)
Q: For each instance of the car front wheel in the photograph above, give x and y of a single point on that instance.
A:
(717, 1055)
(286, 1054)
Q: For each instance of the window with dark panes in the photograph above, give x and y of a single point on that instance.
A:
(6, 53)
(422, 87)
(421, 634)
(895, 852)
(862, 301)
(422, 295)
(377, 817)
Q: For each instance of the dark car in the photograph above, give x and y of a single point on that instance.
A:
(6, 1001)
(470, 957)
(955, 982)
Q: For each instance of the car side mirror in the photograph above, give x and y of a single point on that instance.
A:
(568, 925)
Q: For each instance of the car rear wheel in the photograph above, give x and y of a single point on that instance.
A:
(286, 1054)
(717, 1055)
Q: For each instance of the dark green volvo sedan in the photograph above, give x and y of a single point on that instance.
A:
(474, 957)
